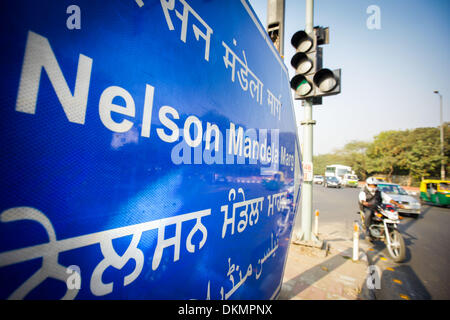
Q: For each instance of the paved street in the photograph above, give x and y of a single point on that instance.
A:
(424, 274)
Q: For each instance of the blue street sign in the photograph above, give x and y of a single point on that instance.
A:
(148, 151)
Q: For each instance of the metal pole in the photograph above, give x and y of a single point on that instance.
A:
(309, 16)
(442, 136)
(442, 141)
(308, 142)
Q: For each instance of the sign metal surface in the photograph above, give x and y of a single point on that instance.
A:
(149, 150)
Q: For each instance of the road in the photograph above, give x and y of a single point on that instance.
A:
(425, 272)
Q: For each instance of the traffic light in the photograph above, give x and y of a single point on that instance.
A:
(311, 79)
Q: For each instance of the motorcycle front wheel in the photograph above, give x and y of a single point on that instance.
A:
(397, 249)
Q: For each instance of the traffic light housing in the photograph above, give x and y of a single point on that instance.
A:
(311, 79)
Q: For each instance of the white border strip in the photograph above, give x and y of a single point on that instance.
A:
(274, 51)
(269, 42)
(264, 34)
(277, 292)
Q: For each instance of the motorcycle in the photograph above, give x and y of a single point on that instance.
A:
(384, 227)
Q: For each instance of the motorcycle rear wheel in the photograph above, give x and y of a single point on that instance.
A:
(397, 249)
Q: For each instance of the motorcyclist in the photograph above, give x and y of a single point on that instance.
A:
(369, 198)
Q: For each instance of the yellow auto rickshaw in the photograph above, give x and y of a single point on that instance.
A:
(435, 191)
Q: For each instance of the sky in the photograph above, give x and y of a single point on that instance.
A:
(388, 75)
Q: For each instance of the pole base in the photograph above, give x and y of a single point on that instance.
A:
(315, 242)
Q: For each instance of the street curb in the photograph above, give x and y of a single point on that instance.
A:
(365, 293)
(337, 242)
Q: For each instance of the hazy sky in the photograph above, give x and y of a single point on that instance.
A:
(388, 75)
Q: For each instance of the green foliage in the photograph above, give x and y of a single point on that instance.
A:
(352, 155)
(320, 162)
(423, 152)
(386, 153)
(415, 153)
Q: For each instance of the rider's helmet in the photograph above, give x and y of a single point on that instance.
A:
(372, 180)
(372, 184)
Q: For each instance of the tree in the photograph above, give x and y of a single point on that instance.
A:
(353, 154)
(447, 148)
(387, 153)
(321, 161)
(415, 153)
(423, 156)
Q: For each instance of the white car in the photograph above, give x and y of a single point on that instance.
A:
(408, 204)
(318, 179)
(332, 182)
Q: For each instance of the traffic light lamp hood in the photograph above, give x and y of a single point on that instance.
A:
(302, 41)
(301, 63)
(326, 80)
(301, 85)
(305, 63)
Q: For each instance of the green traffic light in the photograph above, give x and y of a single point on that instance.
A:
(304, 87)
(302, 83)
